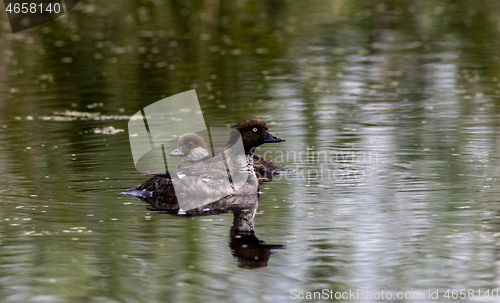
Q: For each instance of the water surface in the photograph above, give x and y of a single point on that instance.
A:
(390, 114)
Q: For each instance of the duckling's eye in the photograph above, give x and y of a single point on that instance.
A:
(255, 129)
(190, 143)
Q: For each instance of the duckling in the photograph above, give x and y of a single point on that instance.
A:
(199, 181)
(192, 149)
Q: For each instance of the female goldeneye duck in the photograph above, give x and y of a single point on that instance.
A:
(254, 132)
(191, 148)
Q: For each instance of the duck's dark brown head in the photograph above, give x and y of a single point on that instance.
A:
(254, 132)
(187, 144)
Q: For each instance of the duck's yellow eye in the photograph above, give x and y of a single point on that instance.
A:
(254, 129)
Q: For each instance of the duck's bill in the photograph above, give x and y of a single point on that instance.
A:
(177, 152)
(270, 138)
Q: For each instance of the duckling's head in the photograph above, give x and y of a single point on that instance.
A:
(254, 132)
(191, 147)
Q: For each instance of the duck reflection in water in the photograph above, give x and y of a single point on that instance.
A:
(245, 246)
(250, 251)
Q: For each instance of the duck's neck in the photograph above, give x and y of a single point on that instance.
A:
(249, 159)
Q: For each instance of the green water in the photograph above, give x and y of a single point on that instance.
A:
(390, 111)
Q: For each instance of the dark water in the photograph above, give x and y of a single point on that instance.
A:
(390, 110)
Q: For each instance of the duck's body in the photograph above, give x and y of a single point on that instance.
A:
(207, 178)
